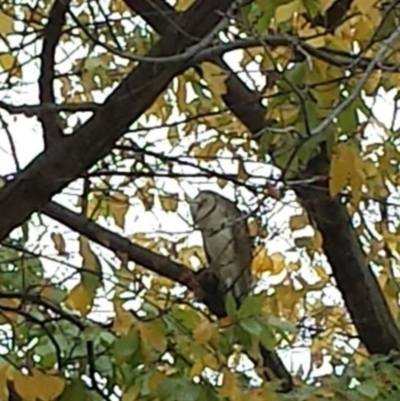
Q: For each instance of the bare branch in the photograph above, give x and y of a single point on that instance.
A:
(156, 263)
(52, 32)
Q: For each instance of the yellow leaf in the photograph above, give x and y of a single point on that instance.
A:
(278, 263)
(230, 387)
(186, 255)
(261, 262)
(181, 94)
(153, 334)
(325, 4)
(123, 320)
(119, 205)
(392, 241)
(183, 5)
(131, 394)
(92, 273)
(293, 266)
(59, 243)
(216, 77)
(242, 174)
(264, 393)
(173, 136)
(38, 385)
(226, 322)
(10, 64)
(373, 82)
(12, 304)
(197, 368)
(347, 168)
(155, 379)
(313, 36)
(297, 222)
(98, 204)
(286, 11)
(117, 6)
(391, 294)
(356, 183)
(170, 202)
(339, 168)
(208, 151)
(287, 113)
(365, 6)
(211, 361)
(253, 228)
(66, 87)
(321, 272)
(78, 299)
(162, 282)
(6, 24)
(203, 332)
(317, 241)
(6, 372)
(145, 196)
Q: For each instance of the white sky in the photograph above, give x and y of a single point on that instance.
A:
(27, 137)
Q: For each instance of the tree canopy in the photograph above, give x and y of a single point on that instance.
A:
(114, 114)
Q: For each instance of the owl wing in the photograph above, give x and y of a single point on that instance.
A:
(228, 248)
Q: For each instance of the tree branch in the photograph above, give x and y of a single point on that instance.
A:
(51, 130)
(156, 263)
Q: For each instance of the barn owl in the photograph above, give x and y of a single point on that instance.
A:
(227, 242)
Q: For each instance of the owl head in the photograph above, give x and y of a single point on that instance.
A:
(202, 206)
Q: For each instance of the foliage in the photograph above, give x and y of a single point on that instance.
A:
(82, 322)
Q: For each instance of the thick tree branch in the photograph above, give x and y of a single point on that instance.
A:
(156, 263)
(72, 155)
(239, 97)
(51, 130)
(356, 281)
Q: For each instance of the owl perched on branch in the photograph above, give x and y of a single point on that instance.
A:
(227, 242)
(228, 248)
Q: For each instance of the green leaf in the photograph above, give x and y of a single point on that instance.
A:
(230, 304)
(312, 7)
(368, 389)
(126, 347)
(76, 391)
(188, 317)
(252, 326)
(280, 324)
(245, 338)
(267, 337)
(251, 306)
(173, 389)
